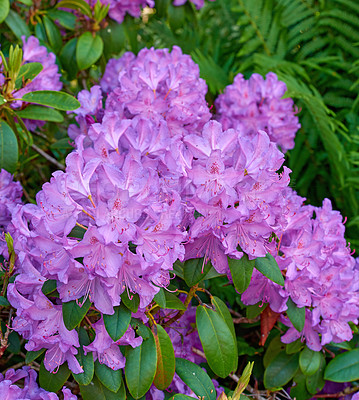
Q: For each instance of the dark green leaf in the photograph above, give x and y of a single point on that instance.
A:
(64, 18)
(268, 266)
(299, 390)
(133, 303)
(4, 302)
(32, 355)
(165, 359)
(296, 315)
(109, 378)
(4, 9)
(77, 232)
(88, 50)
(53, 34)
(53, 382)
(80, 5)
(68, 58)
(344, 367)
(73, 314)
(140, 369)
(160, 298)
(97, 391)
(117, 323)
(49, 286)
(59, 100)
(86, 361)
(14, 345)
(281, 370)
(173, 302)
(194, 377)
(241, 271)
(8, 148)
(195, 270)
(114, 38)
(17, 24)
(254, 310)
(40, 113)
(294, 347)
(309, 361)
(179, 396)
(28, 71)
(217, 341)
(316, 382)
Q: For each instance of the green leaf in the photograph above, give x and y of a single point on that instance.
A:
(4, 302)
(133, 303)
(40, 113)
(222, 309)
(309, 361)
(97, 391)
(8, 148)
(344, 367)
(294, 347)
(173, 302)
(49, 286)
(141, 365)
(53, 34)
(165, 359)
(68, 58)
(60, 100)
(316, 382)
(268, 266)
(88, 50)
(111, 379)
(86, 361)
(296, 315)
(160, 298)
(32, 355)
(73, 314)
(2, 100)
(117, 323)
(179, 396)
(281, 370)
(64, 18)
(194, 377)
(17, 25)
(14, 345)
(4, 9)
(80, 5)
(53, 382)
(217, 341)
(241, 271)
(195, 270)
(28, 71)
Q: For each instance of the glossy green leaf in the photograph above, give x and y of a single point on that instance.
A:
(114, 39)
(53, 382)
(40, 113)
(268, 266)
(160, 298)
(195, 378)
(64, 18)
(4, 302)
(241, 271)
(73, 313)
(141, 365)
(179, 396)
(165, 359)
(60, 100)
(17, 24)
(13, 344)
(281, 370)
(117, 323)
(53, 34)
(195, 270)
(217, 341)
(316, 382)
(299, 389)
(4, 9)
(131, 303)
(309, 361)
(256, 309)
(222, 309)
(296, 315)
(8, 148)
(79, 5)
(88, 50)
(344, 367)
(97, 391)
(86, 361)
(294, 347)
(173, 302)
(111, 379)
(68, 58)
(49, 286)
(33, 355)
(28, 71)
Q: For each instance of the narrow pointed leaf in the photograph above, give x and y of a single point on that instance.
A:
(344, 367)
(241, 271)
(28, 71)
(60, 100)
(195, 270)
(165, 359)
(80, 5)
(160, 298)
(111, 379)
(53, 382)
(53, 34)
(17, 24)
(32, 355)
(73, 314)
(173, 302)
(86, 361)
(281, 370)
(40, 113)
(4, 9)
(195, 378)
(117, 323)
(8, 148)
(217, 341)
(296, 315)
(268, 266)
(88, 50)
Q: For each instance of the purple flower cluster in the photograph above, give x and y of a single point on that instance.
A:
(257, 104)
(198, 3)
(29, 390)
(320, 274)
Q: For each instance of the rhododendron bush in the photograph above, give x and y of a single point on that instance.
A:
(153, 241)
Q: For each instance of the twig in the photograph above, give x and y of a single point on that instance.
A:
(186, 304)
(244, 320)
(48, 157)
